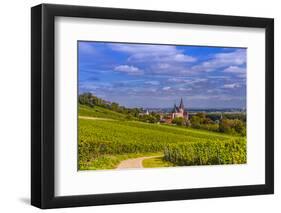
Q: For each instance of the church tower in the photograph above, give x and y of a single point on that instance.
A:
(181, 107)
(179, 112)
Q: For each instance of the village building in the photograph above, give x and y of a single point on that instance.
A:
(179, 111)
(144, 113)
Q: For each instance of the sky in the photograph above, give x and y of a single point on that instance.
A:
(157, 76)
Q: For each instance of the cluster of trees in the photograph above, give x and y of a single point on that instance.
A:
(179, 121)
(202, 121)
(230, 124)
(90, 100)
(151, 118)
(217, 116)
(131, 113)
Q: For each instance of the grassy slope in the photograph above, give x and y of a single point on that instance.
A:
(156, 163)
(100, 112)
(139, 132)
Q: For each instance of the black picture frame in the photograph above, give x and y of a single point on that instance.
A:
(43, 110)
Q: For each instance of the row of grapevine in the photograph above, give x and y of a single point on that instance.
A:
(207, 153)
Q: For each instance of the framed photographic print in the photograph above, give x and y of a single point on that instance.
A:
(139, 106)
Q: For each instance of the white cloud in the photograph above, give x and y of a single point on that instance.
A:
(172, 68)
(131, 70)
(219, 97)
(184, 58)
(185, 89)
(187, 81)
(242, 75)
(163, 66)
(231, 62)
(153, 53)
(222, 60)
(179, 57)
(166, 88)
(216, 90)
(231, 86)
(237, 57)
(235, 69)
(170, 60)
(179, 80)
(154, 83)
(199, 80)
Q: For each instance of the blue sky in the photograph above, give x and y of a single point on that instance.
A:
(142, 75)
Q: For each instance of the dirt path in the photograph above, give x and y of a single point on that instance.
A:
(95, 118)
(133, 163)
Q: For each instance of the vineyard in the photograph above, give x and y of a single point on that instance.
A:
(104, 143)
(207, 152)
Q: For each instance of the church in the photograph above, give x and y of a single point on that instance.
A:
(179, 111)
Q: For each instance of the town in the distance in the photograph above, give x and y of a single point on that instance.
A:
(227, 120)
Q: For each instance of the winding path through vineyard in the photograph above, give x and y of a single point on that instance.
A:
(133, 163)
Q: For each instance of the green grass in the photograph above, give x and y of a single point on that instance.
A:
(111, 161)
(156, 162)
(100, 112)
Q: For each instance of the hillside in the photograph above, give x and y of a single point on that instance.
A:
(100, 112)
(112, 140)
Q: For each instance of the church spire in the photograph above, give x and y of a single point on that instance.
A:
(181, 104)
(175, 109)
